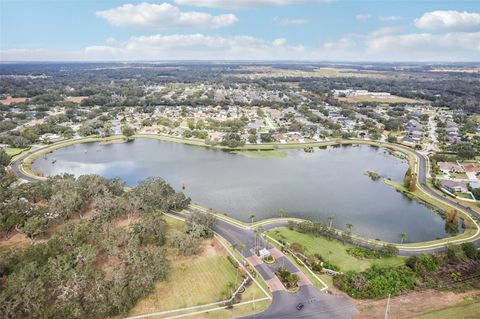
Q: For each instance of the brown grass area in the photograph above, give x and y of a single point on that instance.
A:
(75, 99)
(192, 280)
(380, 99)
(411, 304)
(10, 100)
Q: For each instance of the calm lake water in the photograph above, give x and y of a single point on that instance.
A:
(308, 185)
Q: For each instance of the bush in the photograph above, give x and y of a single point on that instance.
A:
(453, 254)
(362, 253)
(377, 282)
(470, 250)
(297, 248)
(422, 263)
(232, 261)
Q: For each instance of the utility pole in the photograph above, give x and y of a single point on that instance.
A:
(387, 308)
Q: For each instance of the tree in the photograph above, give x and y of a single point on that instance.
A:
(282, 213)
(151, 229)
(331, 219)
(403, 237)
(413, 183)
(407, 178)
(204, 223)
(241, 247)
(34, 227)
(252, 217)
(349, 226)
(128, 131)
(392, 139)
(4, 158)
(187, 243)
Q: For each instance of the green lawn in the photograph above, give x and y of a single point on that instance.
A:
(467, 309)
(193, 280)
(197, 280)
(262, 154)
(339, 255)
(458, 175)
(14, 152)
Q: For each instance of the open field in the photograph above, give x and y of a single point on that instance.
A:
(380, 99)
(338, 256)
(198, 280)
(14, 152)
(258, 72)
(434, 305)
(466, 309)
(10, 100)
(192, 281)
(75, 99)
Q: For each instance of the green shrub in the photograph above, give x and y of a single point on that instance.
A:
(232, 261)
(422, 263)
(470, 250)
(377, 282)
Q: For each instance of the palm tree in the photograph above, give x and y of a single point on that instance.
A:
(241, 247)
(282, 213)
(349, 226)
(261, 230)
(252, 217)
(329, 253)
(255, 231)
(331, 219)
(403, 236)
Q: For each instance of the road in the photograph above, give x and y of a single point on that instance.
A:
(317, 304)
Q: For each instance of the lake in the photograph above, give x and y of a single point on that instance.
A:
(314, 185)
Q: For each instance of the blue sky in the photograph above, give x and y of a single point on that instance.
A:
(388, 30)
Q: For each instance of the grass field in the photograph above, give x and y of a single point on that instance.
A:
(338, 256)
(467, 309)
(262, 154)
(14, 152)
(197, 280)
(458, 175)
(382, 99)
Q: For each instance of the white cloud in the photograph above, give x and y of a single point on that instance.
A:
(426, 46)
(384, 31)
(347, 42)
(237, 4)
(162, 16)
(195, 46)
(449, 20)
(363, 17)
(288, 21)
(279, 42)
(390, 18)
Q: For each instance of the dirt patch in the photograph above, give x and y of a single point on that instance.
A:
(211, 247)
(126, 221)
(411, 304)
(471, 167)
(75, 99)
(10, 100)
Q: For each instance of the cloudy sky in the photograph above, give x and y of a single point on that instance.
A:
(323, 30)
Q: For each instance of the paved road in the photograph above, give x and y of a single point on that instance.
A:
(318, 304)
